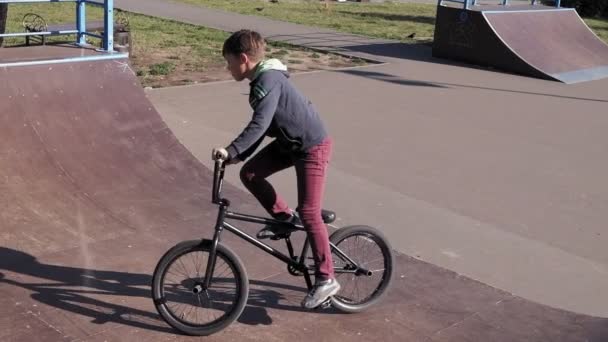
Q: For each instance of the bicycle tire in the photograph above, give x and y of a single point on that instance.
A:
(344, 302)
(159, 293)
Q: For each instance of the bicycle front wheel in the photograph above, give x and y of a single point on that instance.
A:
(179, 296)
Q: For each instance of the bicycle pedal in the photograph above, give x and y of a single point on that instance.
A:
(280, 236)
(325, 305)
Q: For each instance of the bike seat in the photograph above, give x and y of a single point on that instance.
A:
(328, 216)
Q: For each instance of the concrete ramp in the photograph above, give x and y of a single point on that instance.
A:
(85, 157)
(538, 41)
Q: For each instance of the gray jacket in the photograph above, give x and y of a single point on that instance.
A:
(280, 111)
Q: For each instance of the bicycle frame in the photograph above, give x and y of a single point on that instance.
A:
(291, 260)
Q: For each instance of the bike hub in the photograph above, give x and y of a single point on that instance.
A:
(198, 288)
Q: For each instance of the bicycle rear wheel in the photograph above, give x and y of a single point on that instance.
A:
(369, 250)
(177, 288)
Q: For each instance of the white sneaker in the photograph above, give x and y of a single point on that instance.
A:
(320, 292)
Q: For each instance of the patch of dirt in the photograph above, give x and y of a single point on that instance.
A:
(179, 66)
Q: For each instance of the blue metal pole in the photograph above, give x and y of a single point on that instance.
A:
(505, 2)
(81, 22)
(558, 3)
(108, 39)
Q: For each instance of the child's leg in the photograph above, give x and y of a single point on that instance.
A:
(254, 173)
(311, 171)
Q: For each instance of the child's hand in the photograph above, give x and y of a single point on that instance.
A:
(219, 153)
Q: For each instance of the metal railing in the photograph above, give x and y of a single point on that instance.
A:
(81, 22)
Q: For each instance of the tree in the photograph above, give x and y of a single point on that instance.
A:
(586, 8)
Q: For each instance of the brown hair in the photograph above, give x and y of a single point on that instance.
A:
(248, 42)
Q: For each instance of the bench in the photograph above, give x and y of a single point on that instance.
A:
(33, 22)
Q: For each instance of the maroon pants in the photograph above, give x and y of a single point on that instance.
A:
(310, 172)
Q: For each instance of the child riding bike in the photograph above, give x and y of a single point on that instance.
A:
(301, 140)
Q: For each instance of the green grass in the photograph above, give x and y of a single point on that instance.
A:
(148, 33)
(382, 20)
(600, 27)
(164, 52)
(281, 53)
(52, 13)
(158, 46)
(174, 39)
(164, 68)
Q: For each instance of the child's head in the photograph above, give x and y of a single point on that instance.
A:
(243, 50)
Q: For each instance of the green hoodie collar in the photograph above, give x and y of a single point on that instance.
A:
(269, 64)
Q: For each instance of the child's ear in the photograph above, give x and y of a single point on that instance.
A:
(244, 58)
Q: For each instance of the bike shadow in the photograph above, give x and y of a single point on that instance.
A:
(104, 296)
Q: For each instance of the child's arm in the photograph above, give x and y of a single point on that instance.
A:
(248, 152)
(254, 132)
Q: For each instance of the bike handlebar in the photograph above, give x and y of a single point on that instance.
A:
(218, 179)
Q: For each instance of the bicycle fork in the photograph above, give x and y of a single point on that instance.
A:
(219, 227)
